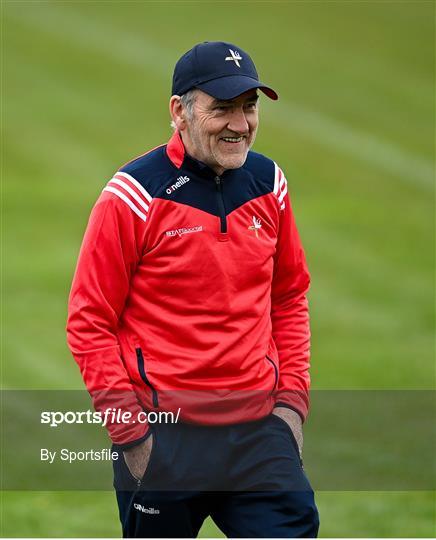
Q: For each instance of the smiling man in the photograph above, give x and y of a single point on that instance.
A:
(189, 298)
(221, 132)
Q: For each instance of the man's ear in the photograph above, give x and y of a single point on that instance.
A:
(177, 113)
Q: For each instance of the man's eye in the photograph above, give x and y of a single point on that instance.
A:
(251, 106)
(222, 108)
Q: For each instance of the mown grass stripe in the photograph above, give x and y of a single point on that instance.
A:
(140, 53)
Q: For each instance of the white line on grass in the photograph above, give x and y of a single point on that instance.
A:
(342, 138)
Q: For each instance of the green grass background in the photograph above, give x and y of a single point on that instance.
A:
(85, 87)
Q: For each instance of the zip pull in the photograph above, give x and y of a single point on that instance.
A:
(218, 182)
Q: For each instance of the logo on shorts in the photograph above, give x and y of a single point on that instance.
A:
(145, 510)
(256, 226)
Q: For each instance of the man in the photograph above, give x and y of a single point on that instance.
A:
(190, 296)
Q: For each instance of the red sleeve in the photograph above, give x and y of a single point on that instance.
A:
(289, 310)
(108, 257)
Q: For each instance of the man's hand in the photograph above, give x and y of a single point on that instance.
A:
(294, 422)
(137, 457)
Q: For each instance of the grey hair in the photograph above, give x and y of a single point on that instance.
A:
(187, 100)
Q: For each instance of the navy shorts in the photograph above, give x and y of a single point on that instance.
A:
(248, 477)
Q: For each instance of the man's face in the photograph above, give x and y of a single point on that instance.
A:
(220, 133)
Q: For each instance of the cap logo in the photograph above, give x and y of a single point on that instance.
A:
(235, 57)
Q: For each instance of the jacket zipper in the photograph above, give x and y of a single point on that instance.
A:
(222, 210)
(144, 377)
(276, 372)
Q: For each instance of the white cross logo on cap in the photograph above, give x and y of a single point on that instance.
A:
(235, 56)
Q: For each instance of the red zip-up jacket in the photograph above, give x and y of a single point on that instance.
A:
(190, 292)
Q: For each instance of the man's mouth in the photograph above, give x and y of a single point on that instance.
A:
(232, 139)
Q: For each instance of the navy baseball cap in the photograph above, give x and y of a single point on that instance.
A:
(220, 69)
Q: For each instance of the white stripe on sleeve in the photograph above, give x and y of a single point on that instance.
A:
(283, 193)
(276, 179)
(126, 176)
(131, 192)
(123, 197)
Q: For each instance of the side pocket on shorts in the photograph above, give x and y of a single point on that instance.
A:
(151, 462)
(287, 427)
(139, 482)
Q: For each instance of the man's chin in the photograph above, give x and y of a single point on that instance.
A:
(233, 163)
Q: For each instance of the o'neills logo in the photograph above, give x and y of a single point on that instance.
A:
(184, 230)
(181, 180)
(141, 508)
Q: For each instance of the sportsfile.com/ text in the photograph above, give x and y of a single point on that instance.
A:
(109, 416)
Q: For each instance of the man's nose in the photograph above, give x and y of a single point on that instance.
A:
(238, 121)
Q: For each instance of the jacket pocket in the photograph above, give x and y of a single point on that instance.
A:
(276, 373)
(143, 374)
